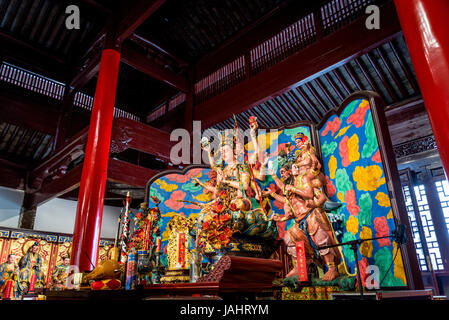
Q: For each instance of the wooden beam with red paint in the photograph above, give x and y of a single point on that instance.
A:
(130, 134)
(128, 173)
(148, 43)
(138, 12)
(136, 59)
(12, 175)
(126, 24)
(31, 57)
(24, 109)
(334, 50)
(58, 162)
(58, 187)
(89, 71)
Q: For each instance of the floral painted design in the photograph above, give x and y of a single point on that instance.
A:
(382, 230)
(355, 170)
(352, 225)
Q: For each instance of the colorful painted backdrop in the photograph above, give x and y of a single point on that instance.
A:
(175, 186)
(355, 175)
(354, 171)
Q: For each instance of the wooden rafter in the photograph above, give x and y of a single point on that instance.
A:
(392, 72)
(334, 87)
(303, 114)
(326, 93)
(379, 73)
(342, 81)
(404, 67)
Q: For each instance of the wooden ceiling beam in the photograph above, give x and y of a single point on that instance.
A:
(146, 42)
(26, 112)
(342, 81)
(283, 111)
(128, 173)
(138, 12)
(12, 175)
(290, 107)
(56, 188)
(126, 24)
(130, 134)
(353, 77)
(266, 118)
(89, 71)
(326, 93)
(310, 105)
(279, 120)
(385, 83)
(32, 58)
(136, 59)
(317, 97)
(331, 51)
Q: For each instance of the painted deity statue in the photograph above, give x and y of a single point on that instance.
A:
(236, 197)
(304, 202)
(60, 275)
(9, 272)
(234, 178)
(31, 276)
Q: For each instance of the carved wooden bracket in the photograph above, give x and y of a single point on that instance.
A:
(120, 139)
(56, 165)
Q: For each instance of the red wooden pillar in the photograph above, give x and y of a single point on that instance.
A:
(425, 26)
(89, 212)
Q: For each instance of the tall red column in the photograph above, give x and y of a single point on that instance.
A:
(425, 24)
(89, 212)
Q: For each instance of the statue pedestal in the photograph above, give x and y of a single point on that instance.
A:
(175, 276)
(235, 273)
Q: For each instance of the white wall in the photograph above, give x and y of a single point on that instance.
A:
(10, 203)
(57, 215)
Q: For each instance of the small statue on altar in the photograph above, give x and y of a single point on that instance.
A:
(31, 277)
(9, 272)
(178, 255)
(60, 275)
(147, 224)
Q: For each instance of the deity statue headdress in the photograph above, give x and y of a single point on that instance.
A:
(227, 138)
(30, 244)
(302, 137)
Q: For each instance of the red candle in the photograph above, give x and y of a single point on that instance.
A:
(158, 244)
(32, 282)
(182, 249)
(7, 294)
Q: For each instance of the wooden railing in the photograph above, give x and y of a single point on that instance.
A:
(166, 106)
(326, 20)
(30, 81)
(292, 39)
(37, 83)
(221, 80)
(338, 13)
